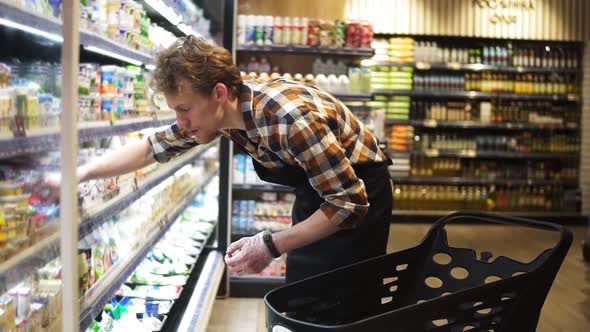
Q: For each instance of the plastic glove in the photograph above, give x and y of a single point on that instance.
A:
(248, 255)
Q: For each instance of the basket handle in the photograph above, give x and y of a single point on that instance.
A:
(565, 234)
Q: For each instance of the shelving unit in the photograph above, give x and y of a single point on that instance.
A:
(474, 95)
(51, 28)
(432, 153)
(474, 181)
(516, 126)
(470, 67)
(429, 99)
(48, 139)
(248, 286)
(26, 262)
(63, 238)
(290, 49)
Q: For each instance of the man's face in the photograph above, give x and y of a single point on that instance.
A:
(200, 116)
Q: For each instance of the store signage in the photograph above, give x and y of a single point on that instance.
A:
(499, 16)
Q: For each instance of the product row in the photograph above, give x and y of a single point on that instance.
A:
(498, 82)
(405, 138)
(534, 112)
(494, 111)
(492, 170)
(357, 80)
(111, 93)
(30, 95)
(302, 31)
(263, 65)
(408, 50)
(482, 198)
(252, 216)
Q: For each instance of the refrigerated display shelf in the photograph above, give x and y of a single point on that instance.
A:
(254, 287)
(51, 28)
(163, 15)
(22, 16)
(117, 50)
(431, 216)
(483, 125)
(114, 206)
(363, 52)
(478, 95)
(472, 67)
(200, 305)
(475, 181)
(17, 268)
(102, 292)
(48, 138)
(262, 187)
(484, 154)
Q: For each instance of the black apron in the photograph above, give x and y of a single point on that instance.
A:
(345, 247)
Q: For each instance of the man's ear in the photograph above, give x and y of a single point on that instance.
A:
(220, 92)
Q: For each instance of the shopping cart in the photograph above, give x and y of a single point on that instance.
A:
(431, 287)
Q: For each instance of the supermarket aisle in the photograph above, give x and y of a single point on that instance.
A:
(567, 308)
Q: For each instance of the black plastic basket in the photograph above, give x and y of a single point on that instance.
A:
(411, 290)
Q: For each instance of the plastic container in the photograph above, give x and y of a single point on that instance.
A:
(278, 31)
(250, 29)
(268, 30)
(242, 29)
(287, 29)
(430, 287)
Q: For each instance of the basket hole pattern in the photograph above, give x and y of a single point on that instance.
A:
(401, 267)
(433, 282)
(459, 273)
(440, 322)
(517, 274)
(468, 328)
(486, 312)
(393, 288)
(387, 281)
(387, 299)
(442, 258)
(491, 279)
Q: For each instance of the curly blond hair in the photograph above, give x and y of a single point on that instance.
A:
(200, 63)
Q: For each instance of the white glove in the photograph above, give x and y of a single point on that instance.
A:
(248, 255)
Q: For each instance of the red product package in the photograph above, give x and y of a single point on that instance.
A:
(353, 34)
(366, 35)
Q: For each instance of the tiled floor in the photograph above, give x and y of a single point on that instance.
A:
(567, 308)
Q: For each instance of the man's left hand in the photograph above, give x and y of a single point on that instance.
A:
(248, 255)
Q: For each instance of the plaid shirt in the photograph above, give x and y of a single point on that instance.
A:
(297, 124)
